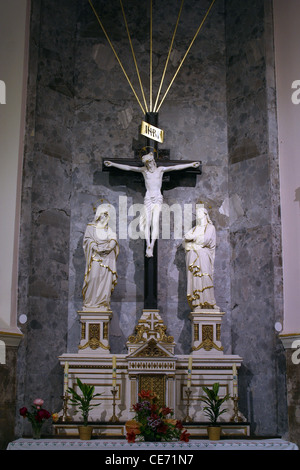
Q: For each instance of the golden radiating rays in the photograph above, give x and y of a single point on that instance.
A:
(157, 104)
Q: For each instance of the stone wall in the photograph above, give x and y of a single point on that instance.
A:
(46, 193)
(256, 269)
(81, 111)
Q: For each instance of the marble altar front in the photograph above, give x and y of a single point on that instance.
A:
(151, 364)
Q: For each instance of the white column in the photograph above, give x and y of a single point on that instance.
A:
(14, 27)
(287, 61)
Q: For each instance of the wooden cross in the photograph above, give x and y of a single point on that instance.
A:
(173, 179)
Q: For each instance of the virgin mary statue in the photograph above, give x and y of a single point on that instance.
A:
(200, 244)
(101, 250)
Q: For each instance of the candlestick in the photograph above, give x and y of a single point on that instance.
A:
(234, 380)
(65, 416)
(114, 418)
(190, 371)
(235, 417)
(188, 419)
(66, 377)
(114, 371)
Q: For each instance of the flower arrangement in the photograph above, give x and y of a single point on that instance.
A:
(154, 423)
(37, 416)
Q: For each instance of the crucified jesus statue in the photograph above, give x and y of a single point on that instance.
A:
(153, 176)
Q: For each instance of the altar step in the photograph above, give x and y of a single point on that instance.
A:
(196, 430)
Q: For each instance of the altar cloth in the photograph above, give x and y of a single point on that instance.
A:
(121, 444)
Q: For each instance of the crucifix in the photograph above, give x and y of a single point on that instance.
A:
(153, 178)
(151, 170)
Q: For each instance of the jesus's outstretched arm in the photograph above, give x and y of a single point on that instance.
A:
(182, 166)
(121, 166)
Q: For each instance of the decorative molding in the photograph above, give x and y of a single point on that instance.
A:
(11, 338)
(288, 339)
(152, 365)
(148, 326)
(151, 350)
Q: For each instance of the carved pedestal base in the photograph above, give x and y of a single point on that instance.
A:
(150, 326)
(206, 332)
(94, 332)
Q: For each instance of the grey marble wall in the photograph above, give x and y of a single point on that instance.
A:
(220, 111)
(46, 193)
(256, 271)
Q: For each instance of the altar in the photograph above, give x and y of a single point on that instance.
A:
(184, 448)
(151, 364)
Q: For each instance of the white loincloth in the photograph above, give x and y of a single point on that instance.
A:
(150, 202)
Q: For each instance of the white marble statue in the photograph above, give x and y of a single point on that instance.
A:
(153, 199)
(200, 244)
(101, 250)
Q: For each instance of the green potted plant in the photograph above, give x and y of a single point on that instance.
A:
(83, 402)
(213, 409)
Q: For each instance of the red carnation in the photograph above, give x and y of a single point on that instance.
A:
(43, 414)
(23, 411)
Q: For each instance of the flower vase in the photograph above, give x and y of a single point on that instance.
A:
(214, 433)
(36, 430)
(85, 432)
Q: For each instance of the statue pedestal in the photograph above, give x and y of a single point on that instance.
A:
(206, 332)
(94, 331)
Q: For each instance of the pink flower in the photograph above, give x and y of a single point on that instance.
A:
(38, 402)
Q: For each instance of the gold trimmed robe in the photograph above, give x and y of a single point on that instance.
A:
(200, 257)
(100, 276)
